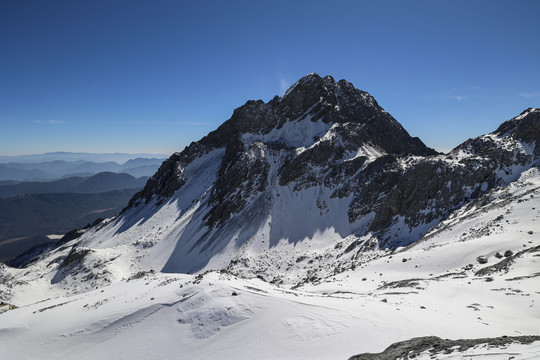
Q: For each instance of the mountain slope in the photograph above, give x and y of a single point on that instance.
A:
(322, 172)
(267, 158)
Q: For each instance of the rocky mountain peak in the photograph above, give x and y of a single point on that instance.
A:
(340, 98)
(524, 127)
(315, 128)
(311, 82)
(314, 98)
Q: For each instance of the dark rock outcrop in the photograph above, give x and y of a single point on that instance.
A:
(163, 183)
(525, 127)
(245, 176)
(433, 187)
(412, 348)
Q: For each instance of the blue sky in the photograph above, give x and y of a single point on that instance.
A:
(152, 76)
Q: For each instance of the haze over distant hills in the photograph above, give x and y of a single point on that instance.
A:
(26, 220)
(31, 210)
(52, 166)
(42, 194)
(101, 182)
(78, 156)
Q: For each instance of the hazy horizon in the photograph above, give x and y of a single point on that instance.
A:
(82, 152)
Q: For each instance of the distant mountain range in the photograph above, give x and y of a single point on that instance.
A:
(101, 182)
(51, 193)
(77, 156)
(57, 169)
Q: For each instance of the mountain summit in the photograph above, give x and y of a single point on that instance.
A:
(323, 123)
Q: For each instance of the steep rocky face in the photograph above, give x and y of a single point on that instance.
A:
(525, 128)
(425, 190)
(319, 132)
(244, 176)
(163, 183)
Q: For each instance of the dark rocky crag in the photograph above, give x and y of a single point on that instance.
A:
(525, 127)
(360, 121)
(444, 183)
(436, 347)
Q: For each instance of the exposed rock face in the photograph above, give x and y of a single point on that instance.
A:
(164, 182)
(428, 189)
(244, 176)
(525, 127)
(436, 346)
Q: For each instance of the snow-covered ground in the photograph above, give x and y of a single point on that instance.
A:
(435, 287)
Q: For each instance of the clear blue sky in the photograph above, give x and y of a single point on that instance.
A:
(152, 76)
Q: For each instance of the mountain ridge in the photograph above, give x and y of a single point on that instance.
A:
(405, 181)
(58, 169)
(100, 182)
(308, 98)
(120, 158)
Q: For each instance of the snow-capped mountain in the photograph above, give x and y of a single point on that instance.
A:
(322, 171)
(293, 162)
(317, 206)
